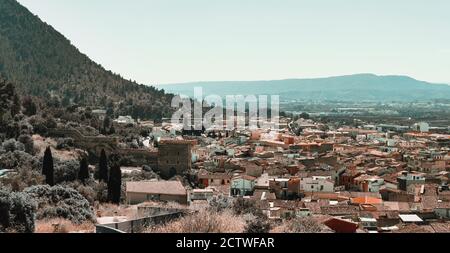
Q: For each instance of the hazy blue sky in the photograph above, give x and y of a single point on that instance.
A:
(164, 41)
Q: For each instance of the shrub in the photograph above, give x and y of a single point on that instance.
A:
(220, 203)
(62, 226)
(39, 126)
(88, 131)
(243, 206)
(17, 212)
(301, 225)
(101, 192)
(12, 145)
(25, 127)
(258, 226)
(42, 125)
(24, 178)
(93, 192)
(204, 222)
(11, 129)
(29, 106)
(28, 143)
(60, 202)
(66, 171)
(19, 160)
(140, 176)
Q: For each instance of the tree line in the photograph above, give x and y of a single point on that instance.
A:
(108, 172)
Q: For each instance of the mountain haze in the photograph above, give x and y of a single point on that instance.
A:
(43, 63)
(360, 87)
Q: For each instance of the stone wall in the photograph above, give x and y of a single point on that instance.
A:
(93, 144)
(138, 225)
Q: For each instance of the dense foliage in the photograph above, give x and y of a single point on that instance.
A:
(258, 225)
(60, 202)
(103, 167)
(18, 160)
(115, 181)
(83, 173)
(17, 212)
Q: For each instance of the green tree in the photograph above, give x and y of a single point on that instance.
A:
(48, 169)
(6, 96)
(258, 225)
(83, 174)
(16, 107)
(29, 105)
(106, 122)
(103, 167)
(115, 181)
(112, 130)
(305, 115)
(17, 212)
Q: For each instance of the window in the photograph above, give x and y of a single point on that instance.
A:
(312, 186)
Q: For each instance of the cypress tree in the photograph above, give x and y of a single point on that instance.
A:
(48, 168)
(112, 130)
(16, 106)
(83, 174)
(115, 181)
(103, 167)
(106, 123)
(7, 93)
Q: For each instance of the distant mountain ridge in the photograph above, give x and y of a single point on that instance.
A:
(42, 62)
(359, 87)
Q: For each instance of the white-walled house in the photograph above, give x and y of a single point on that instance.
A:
(408, 178)
(368, 183)
(423, 127)
(201, 194)
(317, 184)
(242, 185)
(125, 120)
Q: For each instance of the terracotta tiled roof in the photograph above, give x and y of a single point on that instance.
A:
(413, 228)
(441, 227)
(322, 195)
(157, 187)
(360, 194)
(341, 226)
(393, 206)
(288, 204)
(316, 207)
(340, 210)
(429, 202)
(445, 205)
(246, 177)
(366, 200)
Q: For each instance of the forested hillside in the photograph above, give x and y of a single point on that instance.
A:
(42, 62)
